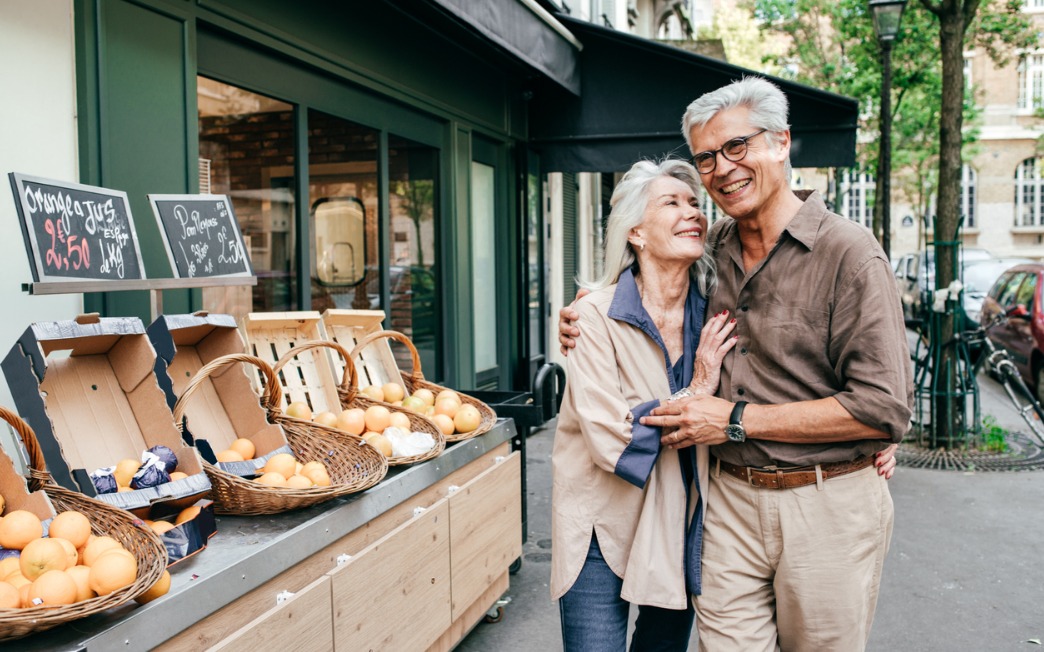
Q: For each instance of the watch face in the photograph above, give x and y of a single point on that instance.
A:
(735, 432)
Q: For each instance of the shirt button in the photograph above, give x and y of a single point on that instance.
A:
(743, 350)
(744, 308)
(741, 391)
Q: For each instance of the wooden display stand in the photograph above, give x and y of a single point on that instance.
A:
(417, 577)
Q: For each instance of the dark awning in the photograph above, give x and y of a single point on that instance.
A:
(633, 92)
(526, 31)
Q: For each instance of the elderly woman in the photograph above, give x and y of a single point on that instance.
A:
(627, 516)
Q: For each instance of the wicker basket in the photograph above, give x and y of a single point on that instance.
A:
(106, 520)
(352, 466)
(414, 380)
(350, 397)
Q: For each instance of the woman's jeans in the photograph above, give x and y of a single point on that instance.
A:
(594, 616)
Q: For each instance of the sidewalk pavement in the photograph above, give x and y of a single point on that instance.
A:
(965, 570)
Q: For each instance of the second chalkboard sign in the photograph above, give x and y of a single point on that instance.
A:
(202, 235)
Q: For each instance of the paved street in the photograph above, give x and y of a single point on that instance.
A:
(965, 570)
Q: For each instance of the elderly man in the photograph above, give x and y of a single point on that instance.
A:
(798, 521)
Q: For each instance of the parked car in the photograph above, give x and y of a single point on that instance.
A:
(1017, 293)
(915, 274)
(978, 277)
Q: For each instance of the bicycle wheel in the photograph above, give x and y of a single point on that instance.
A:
(1031, 410)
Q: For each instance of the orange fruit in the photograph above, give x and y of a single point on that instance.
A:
(96, 547)
(230, 456)
(448, 393)
(425, 395)
(414, 403)
(158, 589)
(159, 527)
(299, 410)
(178, 475)
(187, 514)
(281, 463)
(121, 490)
(374, 392)
(116, 551)
(81, 575)
(244, 447)
(53, 588)
(71, 526)
(380, 442)
(467, 418)
(352, 420)
(325, 418)
(297, 468)
(272, 479)
(125, 470)
(23, 594)
(111, 572)
(444, 423)
(299, 482)
(9, 565)
(84, 547)
(317, 473)
(16, 579)
(42, 555)
(71, 555)
(377, 418)
(401, 420)
(393, 392)
(9, 598)
(447, 406)
(19, 528)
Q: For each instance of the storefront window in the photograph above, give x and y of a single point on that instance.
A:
(415, 302)
(484, 265)
(246, 151)
(343, 194)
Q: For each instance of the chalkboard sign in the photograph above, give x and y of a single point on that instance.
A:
(202, 235)
(76, 232)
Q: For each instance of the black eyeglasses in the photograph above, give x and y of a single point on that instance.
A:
(734, 150)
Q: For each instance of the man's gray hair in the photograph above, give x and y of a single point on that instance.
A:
(629, 201)
(768, 106)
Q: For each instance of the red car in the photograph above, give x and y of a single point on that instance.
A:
(1018, 294)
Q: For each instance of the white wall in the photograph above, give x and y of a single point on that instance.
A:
(37, 137)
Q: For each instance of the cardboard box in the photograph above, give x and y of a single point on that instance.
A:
(88, 390)
(224, 407)
(16, 492)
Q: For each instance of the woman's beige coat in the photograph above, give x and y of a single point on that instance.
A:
(641, 531)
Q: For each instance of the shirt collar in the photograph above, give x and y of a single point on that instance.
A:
(805, 225)
(627, 302)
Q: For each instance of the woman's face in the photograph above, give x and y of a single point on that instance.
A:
(673, 228)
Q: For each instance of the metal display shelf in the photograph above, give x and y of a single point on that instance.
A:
(251, 550)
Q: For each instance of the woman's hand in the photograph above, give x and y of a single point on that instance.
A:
(885, 461)
(715, 341)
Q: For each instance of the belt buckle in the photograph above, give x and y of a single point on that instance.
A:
(750, 476)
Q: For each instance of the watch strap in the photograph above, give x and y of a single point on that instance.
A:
(736, 418)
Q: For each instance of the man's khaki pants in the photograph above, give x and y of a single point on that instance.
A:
(793, 568)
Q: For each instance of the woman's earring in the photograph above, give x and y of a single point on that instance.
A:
(642, 246)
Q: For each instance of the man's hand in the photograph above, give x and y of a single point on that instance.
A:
(699, 419)
(885, 461)
(567, 332)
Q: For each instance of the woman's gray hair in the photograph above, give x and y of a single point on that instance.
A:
(629, 201)
(768, 106)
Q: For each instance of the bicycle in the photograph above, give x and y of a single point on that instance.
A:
(996, 361)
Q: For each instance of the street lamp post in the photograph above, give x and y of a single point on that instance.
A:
(887, 16)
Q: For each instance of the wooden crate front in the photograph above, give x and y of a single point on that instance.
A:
(376, 363)
(311, 377)
(304, 622)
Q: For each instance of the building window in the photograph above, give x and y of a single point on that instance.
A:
(1031, 81)
(1034, 4)
(857, 197)
(1029, 193)
(709, 208)
(968, 182)
(967, 73)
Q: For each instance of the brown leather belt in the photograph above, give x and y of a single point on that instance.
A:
(791, 478)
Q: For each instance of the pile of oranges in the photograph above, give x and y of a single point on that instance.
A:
(240, 450)
(283, 470)
(69, 565)
(160, 526)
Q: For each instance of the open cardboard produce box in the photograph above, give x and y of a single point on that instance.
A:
(225, 406)
(88, 390)
(16, 492)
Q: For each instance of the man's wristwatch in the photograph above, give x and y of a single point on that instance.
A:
(734, 431)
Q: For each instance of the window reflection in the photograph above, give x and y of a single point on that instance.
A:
(247, 138)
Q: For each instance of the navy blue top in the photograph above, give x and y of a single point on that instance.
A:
(638, 459)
